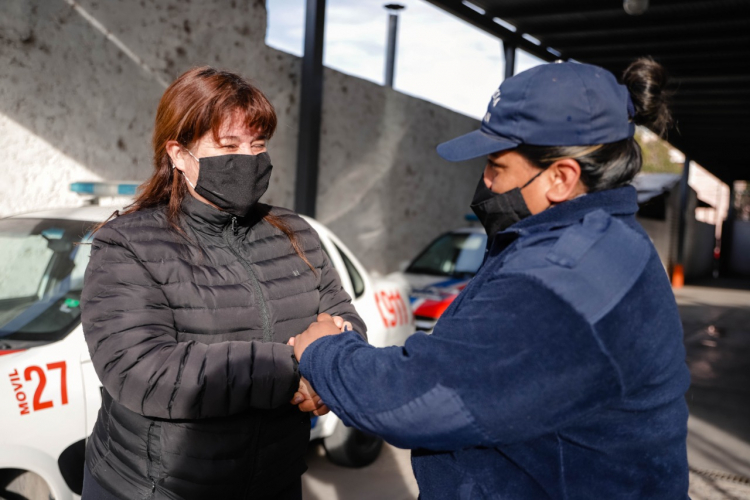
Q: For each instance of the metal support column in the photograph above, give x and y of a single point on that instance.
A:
(509, 50)
(311, 103)
(678, 273)
(727, 231)
(390, 56)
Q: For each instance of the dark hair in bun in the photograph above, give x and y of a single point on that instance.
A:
(608, 166)
(647, 80)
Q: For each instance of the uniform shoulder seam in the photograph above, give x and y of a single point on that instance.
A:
(592, 331)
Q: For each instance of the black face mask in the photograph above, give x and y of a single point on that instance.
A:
(234, 183)
(496, 211)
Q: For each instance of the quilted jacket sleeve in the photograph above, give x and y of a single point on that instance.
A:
(129, 329)
(335, 301)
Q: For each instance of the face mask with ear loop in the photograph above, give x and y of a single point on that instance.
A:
(499, 211)
(234, 183)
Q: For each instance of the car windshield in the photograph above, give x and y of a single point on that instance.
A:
(41, 277)
(457, 255)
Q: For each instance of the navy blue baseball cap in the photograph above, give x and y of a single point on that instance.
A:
(557, 104)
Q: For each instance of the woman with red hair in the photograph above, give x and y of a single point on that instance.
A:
(189, 300)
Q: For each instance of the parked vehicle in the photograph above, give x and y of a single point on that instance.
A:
(50, 392)
(439, 273)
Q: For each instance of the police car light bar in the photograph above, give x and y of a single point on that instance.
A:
(471, 218)
(105, 188)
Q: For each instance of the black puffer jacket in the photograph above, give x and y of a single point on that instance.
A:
(187, 334)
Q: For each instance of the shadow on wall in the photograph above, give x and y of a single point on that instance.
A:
(383, 189)
(66, 84)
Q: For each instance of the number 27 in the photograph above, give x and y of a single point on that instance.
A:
(38, 403)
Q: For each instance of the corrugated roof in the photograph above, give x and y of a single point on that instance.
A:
(705, 46)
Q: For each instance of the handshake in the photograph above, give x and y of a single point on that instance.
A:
(306, 398)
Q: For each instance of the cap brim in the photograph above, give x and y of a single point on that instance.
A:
(473, 145)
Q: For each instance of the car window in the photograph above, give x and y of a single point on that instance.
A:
(23, 264)
(41, 277)
(453, 254)
(358, 284)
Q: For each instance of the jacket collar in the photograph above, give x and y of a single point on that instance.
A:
(204, 217)
(618, 201)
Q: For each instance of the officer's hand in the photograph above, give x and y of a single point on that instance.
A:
(325, 326)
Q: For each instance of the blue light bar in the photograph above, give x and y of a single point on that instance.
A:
(105, 188)
(471, 217)
(127, 189)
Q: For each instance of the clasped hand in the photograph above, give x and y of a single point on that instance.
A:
(306, 398)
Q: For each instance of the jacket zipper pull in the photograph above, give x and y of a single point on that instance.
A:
(234, 225)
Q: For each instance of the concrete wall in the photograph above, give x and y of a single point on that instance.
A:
(382, 187)
(74, 106)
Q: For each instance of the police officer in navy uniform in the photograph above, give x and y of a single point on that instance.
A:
(559, 371)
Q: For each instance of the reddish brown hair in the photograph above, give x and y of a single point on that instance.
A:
(197, 103)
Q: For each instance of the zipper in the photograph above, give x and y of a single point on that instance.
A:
(267, 333)
(150, 473)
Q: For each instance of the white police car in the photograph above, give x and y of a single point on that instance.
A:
(49, 392)
(440, 271)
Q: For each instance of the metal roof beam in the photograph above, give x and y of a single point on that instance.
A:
(735, 46)
(484, 22)
(576, 20)
(682, 103)
(710, 129)
(682, 65)
(713, 79)
(505, 10)
(644, 33)
(720, 92)
(739, 100)
(704, 44)
(692, 110)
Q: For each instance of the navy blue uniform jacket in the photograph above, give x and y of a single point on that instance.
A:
(558, 372)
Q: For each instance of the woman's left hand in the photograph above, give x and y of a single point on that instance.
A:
(308, 400)
(344, 326)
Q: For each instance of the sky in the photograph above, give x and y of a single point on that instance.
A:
(439, 57)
